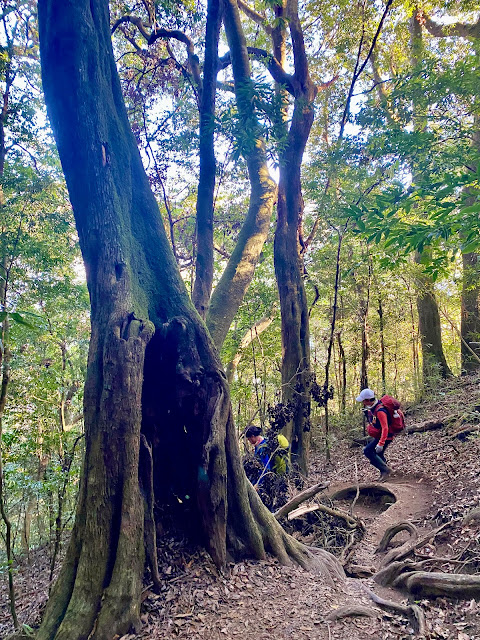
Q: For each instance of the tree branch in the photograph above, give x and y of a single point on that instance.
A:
(459, 29)
(272, 64)
(259, 18)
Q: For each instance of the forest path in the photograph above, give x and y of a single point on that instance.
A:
(374, 507)
(437, 479)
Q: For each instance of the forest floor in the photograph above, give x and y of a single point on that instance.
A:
(436, 482)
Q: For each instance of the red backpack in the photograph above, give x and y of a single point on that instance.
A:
(396, 419)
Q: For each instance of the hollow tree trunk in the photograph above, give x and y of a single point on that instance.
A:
(152, 372)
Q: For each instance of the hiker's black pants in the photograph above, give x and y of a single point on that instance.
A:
(378, 460)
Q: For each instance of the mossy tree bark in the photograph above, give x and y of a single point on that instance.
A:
(153, 375)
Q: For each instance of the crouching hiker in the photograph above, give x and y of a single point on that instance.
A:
(385, 421)
(273, 458)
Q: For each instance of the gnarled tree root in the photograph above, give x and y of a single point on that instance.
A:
(407, 548)
(450, 585)
(350, 611)
(412, 611)
(387, 575)
(392, 531)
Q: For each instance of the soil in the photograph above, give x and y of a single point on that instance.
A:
(436, 481)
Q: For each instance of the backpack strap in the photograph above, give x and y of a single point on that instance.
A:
(380, 407)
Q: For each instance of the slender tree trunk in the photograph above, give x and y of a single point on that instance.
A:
(206, 183)
(343, 367)
(470, 321)
(434, 362)
(252, 334)
(236, 278)
(152, 370)
(382, 344)
(288, 252)
(5, 380)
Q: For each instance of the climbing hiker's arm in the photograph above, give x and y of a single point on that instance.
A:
(382, 419)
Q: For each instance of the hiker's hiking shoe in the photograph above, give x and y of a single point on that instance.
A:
(385, 475)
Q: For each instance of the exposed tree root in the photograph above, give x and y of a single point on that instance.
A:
(286, 548)
(412, 612)
(426, 584)
(299, 498)
(351, 611)
(407, 548)
(392, 531)
(387, 576)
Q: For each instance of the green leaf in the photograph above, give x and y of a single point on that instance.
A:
(474, 208)
(19, 319)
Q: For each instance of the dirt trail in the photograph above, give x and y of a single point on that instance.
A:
(412, 498)
(437, 479)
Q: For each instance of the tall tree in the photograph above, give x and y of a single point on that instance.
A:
(470, 318)
(153, 374)
(219, 306)
(433, 358)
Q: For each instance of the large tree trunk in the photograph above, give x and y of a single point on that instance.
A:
(288, 250)
(153, 374)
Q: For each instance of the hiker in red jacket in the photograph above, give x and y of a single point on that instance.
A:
(381, 428)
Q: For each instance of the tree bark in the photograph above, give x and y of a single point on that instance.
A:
(236, 278)
(288, 247)
(206, 183)
(434, 362)
(152, 369)
(470, 320)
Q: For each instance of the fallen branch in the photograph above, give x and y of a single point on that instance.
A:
(299, 498)
(392, 531)
(347, 551)
(428, 425)
(350, 610)
(412, 612)
(465, 431)
(351, 523)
